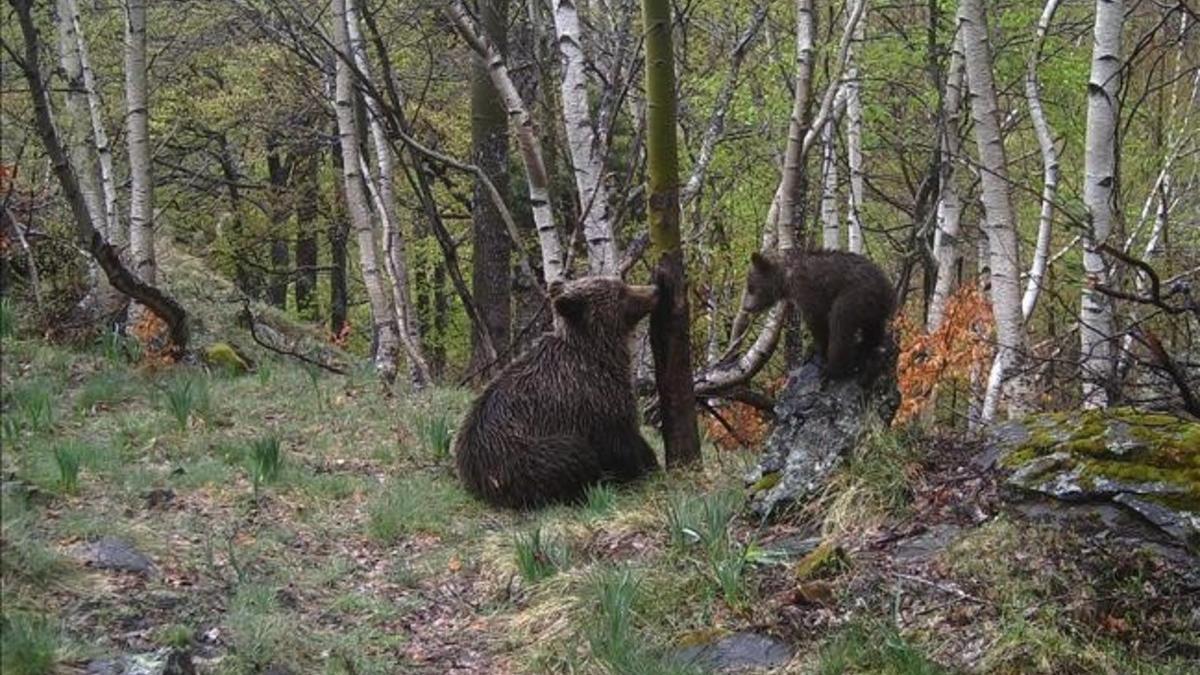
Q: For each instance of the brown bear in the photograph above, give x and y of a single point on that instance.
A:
(562, 416)
(845, 299)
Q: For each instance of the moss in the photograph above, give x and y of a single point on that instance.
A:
(767, 482)
(223, 355)
(1161, 448)
(827, 556)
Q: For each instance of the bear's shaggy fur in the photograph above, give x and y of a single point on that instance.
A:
(562, 416)
(845, 299)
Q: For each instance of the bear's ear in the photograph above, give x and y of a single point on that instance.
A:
(556, 287)
(569, 307)
(759, 261)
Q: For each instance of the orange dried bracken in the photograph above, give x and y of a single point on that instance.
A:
(960, 345)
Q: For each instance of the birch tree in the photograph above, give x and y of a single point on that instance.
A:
(387, 339)
(77, 134)
(1096, 325)
(854, 122)
(141, 186)
(1001, 224)
(587, 153)
(1045, 138)
(946, 244)
(395, 248)
(831, 230)
(532, 157)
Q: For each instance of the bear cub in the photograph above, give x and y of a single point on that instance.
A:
(563, 415)
(845, 299)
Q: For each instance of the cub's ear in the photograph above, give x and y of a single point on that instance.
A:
(569, 307)
(759, 261)
(556, 287)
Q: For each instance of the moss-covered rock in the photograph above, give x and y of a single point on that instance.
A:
(222, 355)
(1149, 463)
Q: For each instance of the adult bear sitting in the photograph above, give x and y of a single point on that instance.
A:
(562, 416)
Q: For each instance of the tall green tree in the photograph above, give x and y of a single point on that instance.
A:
(669, 324)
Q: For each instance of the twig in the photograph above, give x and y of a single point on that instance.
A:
(943, 588)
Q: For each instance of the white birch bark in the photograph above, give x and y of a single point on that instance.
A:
(77, 134)
(946, 238)
(141, 191)
(587, 154)
(387, 345)
(553, 260)
(1096, 325)
(1001, 224)
(830, 224)
(1045, 138)
(118, 235)
(384, 193)
(854, 156)
(793, 158)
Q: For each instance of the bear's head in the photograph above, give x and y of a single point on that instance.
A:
(764, 283)
(601, 307)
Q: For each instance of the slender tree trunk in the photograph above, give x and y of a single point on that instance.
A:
(77, 130)
(247, 277)
(306, 205)
(339, 235)
(395, 249)
(1096, 324)
(830, 224)
(553, 260)
(278, 175)
(586, 152)
(383, 317)
(998, 211)
(670, 337)
(946, 239)
(141, 191)
(1045, 137)
(793, 160)
(105, 255)
(854, 156)
(491, 256)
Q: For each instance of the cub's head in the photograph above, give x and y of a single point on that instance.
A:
(764, 283)
(601, 306)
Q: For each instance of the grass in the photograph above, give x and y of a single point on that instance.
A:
(34, 406)
(611, 632)
(184, 396)
(599, 500)
(8, 318)
(28, 645)
(539, 556)
(435, 434)
(873, 648)
(265, 461)
(68, 458)
(416, 505)
(260, 629)
(107, 388)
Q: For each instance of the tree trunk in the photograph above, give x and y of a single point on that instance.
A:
(77, 130)
(669, 324)
(278, 175)
(793, 161)
(306, 206)
(141, 190)
(491, 256)
(854, 157)
(1096, 325)
(339, 234)
(1045, 138)
(395, 250)
(105, 255)
(587, 154)
(946, 239)
(553, 260)
(830, 225)
(998, 211)
(383, 318)
(247, 276)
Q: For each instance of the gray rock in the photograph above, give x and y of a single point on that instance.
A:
(738, 651)
(818, 422)
(112, 553)
(927, 544)
(165, 661)
(1182, 525)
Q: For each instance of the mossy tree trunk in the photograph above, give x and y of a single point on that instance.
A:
(669, 324)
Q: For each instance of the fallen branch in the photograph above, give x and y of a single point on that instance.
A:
(251, 321)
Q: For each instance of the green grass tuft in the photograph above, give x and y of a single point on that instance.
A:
(599, 500)
(538, 556)
(435, 434)
(265, 461)
(68, 458)
(28, 645)
(874, 648)
(185, 396)
(411, 505)
(8, 318)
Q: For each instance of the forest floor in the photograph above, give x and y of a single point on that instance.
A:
(132, 521)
